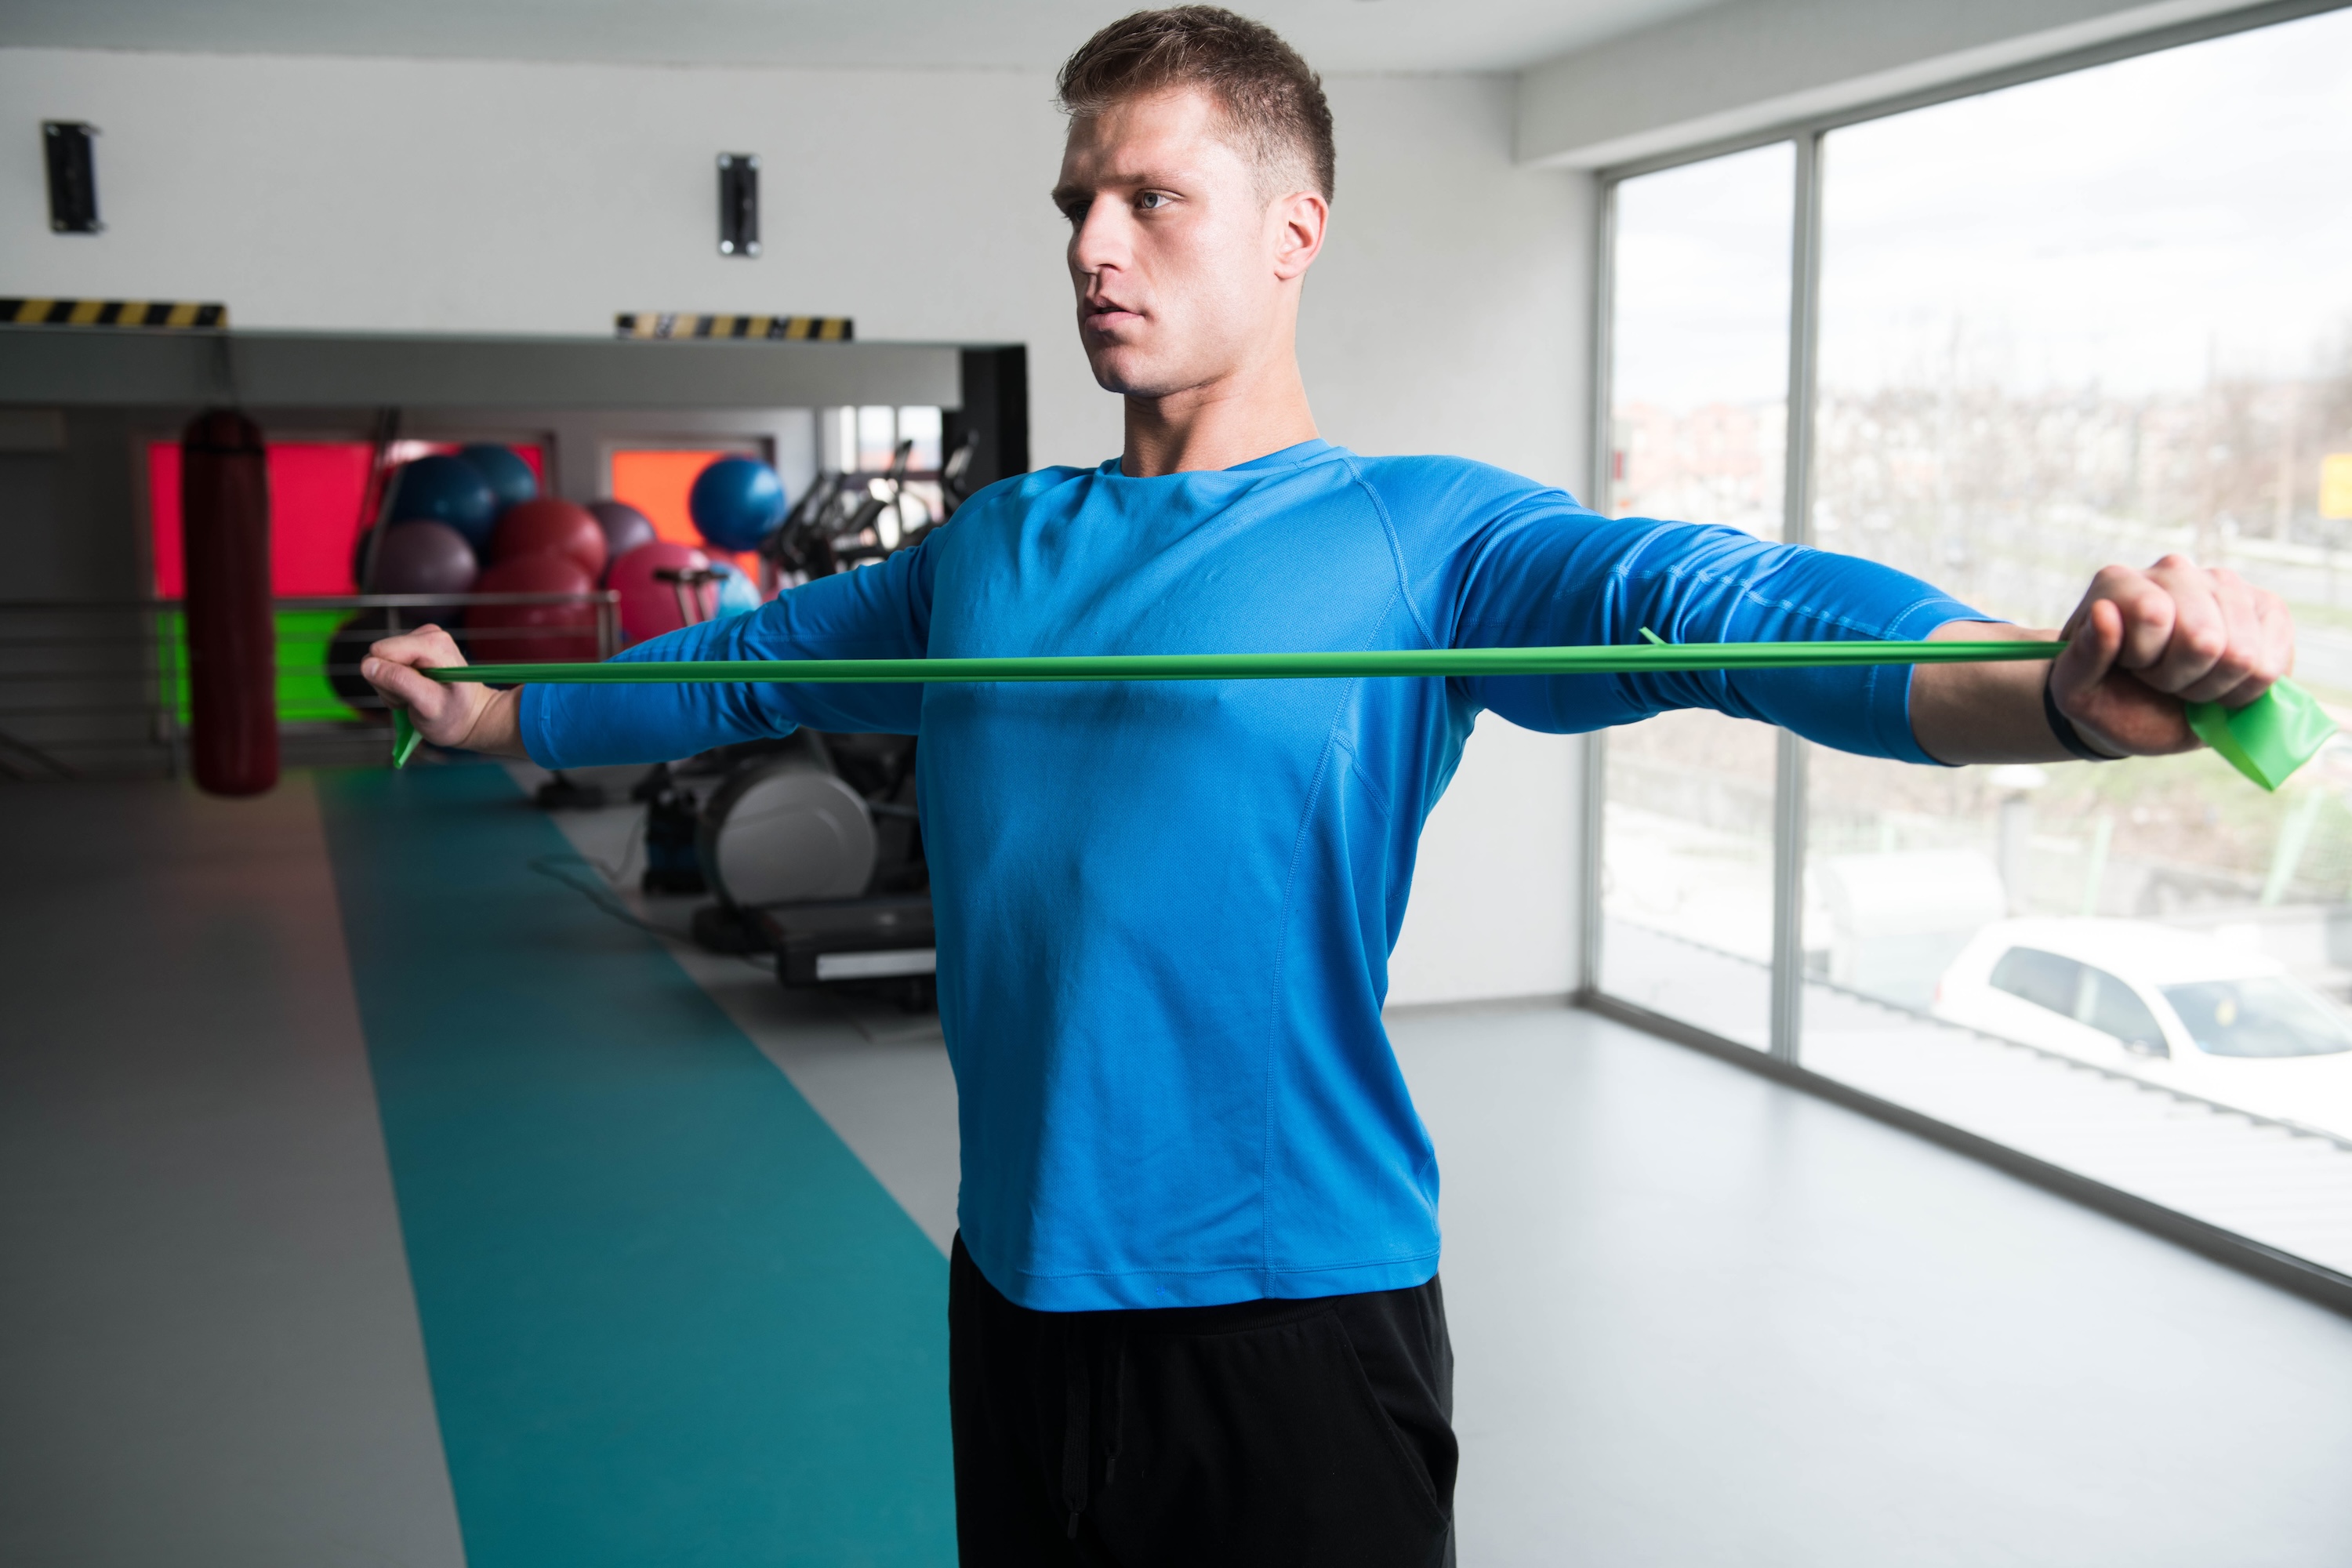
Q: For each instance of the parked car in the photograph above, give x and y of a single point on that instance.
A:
(2174, 1007)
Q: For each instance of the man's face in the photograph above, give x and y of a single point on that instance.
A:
(1181, 265)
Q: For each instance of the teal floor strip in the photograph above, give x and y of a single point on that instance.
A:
(671, 1319)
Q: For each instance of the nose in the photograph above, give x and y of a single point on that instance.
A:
(1099, 243)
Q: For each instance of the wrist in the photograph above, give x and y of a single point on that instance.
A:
(497, 727)
(2063, 728)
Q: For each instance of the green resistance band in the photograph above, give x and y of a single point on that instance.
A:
(2285, 728)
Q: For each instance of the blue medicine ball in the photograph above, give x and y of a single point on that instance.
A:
(736, 503)
(510, 477)
(446, 489)
(737, 593)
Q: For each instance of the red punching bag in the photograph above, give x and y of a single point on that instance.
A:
(231, 636)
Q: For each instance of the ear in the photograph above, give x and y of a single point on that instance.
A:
(1296, 222)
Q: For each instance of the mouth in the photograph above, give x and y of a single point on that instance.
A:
(1106, 315)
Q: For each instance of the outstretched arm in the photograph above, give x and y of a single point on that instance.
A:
(2141, 646)
(878, 611)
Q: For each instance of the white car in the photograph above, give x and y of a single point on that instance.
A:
(2172, 1006)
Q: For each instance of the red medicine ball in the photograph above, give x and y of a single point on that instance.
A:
(534, 634)
(545, 526)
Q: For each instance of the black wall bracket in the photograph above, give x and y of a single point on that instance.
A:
(73, 176)
(739, 203)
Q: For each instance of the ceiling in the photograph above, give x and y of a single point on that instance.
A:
(1035, 35)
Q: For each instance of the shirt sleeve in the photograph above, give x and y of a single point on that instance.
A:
(1550, 572)
(881, 611)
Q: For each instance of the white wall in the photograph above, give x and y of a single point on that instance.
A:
(1448, 315)
(458, 195)
(1450, 310)
(1451, 313)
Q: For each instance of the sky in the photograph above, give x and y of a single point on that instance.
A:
(1702, 281)
(2137, 228)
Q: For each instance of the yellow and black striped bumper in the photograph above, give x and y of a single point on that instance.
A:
(110, 313)
(792, 328)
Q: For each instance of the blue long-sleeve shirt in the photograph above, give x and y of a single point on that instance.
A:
(1164, 910)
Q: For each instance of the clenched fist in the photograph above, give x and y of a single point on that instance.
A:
(464, 715)
(2141, 646)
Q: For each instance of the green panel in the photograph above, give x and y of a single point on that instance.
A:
(304, 695)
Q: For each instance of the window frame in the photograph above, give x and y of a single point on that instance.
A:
(1782, 1059)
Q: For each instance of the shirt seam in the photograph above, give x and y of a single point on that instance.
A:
(1751, 591)
(1396, 547)
(1109, 466)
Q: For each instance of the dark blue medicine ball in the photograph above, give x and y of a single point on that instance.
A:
(442, 489)
(736, 503)
(510, 477)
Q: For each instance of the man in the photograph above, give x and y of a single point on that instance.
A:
(1195, 1313)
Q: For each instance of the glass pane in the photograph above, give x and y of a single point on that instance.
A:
(838, 440)
(1698, 417)
(1686, 872)
(877, 438)
(921, 426)
(317, 495)
(2089, 320)
(657, 481)
(1699, 378)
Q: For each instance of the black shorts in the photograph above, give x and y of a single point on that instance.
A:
(1293, 1433)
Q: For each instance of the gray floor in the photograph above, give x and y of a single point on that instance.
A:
(2287, 1187)
(1700, 1320)
(208, 1350)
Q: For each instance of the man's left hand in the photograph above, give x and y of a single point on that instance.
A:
(2141, 645)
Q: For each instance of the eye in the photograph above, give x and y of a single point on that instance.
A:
(1151, 200)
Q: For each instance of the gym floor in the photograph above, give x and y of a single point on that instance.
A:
(368, 1197)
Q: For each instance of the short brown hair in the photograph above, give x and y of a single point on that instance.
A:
(1270, 97)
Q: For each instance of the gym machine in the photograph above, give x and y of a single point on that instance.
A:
(811, 844)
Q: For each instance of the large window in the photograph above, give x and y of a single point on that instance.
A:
(1698, 429)
(2097, 317)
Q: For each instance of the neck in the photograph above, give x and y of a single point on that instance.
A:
(1231, 420)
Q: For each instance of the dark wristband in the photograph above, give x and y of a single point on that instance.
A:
(2064, 728)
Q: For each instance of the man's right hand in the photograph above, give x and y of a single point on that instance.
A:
(461, 714)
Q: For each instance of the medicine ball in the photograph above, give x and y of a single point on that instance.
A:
(561, 527)
(625, 527)
(345, 650)
(736, 503)
(532, 634)
(418, 557)
(650, 607)
(442, 489)
(736, 592)
(503, 468)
